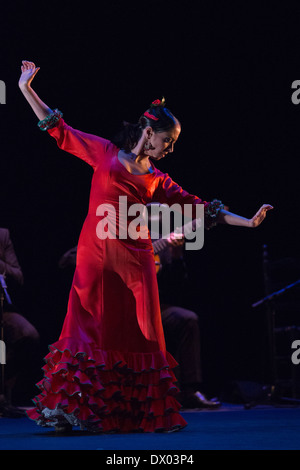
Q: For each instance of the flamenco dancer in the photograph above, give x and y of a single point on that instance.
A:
(109, 370)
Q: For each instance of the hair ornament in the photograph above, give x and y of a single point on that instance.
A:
(158, 103)
(150, 116)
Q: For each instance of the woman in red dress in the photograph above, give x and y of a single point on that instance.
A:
(109, 370)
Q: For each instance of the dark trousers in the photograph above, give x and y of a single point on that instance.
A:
(22, 347)
(182, 335)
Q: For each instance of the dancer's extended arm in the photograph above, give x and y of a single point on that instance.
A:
(229, 218)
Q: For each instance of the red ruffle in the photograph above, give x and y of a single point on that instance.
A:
(107, 391)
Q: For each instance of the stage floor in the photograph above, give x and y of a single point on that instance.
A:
(231, 427)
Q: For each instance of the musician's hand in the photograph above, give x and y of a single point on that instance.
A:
(176, 239)
(68, 259)
(260, 215)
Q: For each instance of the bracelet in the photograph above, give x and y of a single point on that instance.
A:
(50, 121)
(212, 211)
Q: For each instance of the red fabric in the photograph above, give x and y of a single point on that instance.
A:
(110, 367)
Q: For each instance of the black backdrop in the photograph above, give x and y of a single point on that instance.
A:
(226, 71)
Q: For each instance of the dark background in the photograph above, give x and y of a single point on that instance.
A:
(226, 71)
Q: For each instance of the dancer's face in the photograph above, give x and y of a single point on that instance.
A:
(162, 143)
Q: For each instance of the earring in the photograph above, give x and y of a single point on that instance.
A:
(148, 145)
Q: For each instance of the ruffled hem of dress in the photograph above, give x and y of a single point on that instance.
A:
(107, 391)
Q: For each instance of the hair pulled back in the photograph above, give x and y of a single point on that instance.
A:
(156, 116)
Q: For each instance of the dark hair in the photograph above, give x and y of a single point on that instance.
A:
(130, 134)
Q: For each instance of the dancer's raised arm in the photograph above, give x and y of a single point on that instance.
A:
(90, 148)
(29, 71)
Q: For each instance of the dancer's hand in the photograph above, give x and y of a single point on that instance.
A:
(260, 215)
(29, 71)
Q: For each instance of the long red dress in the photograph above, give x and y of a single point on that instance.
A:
(109, 370)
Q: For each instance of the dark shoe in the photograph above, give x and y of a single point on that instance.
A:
(63, 428)
(198, 400)
(10, 411)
